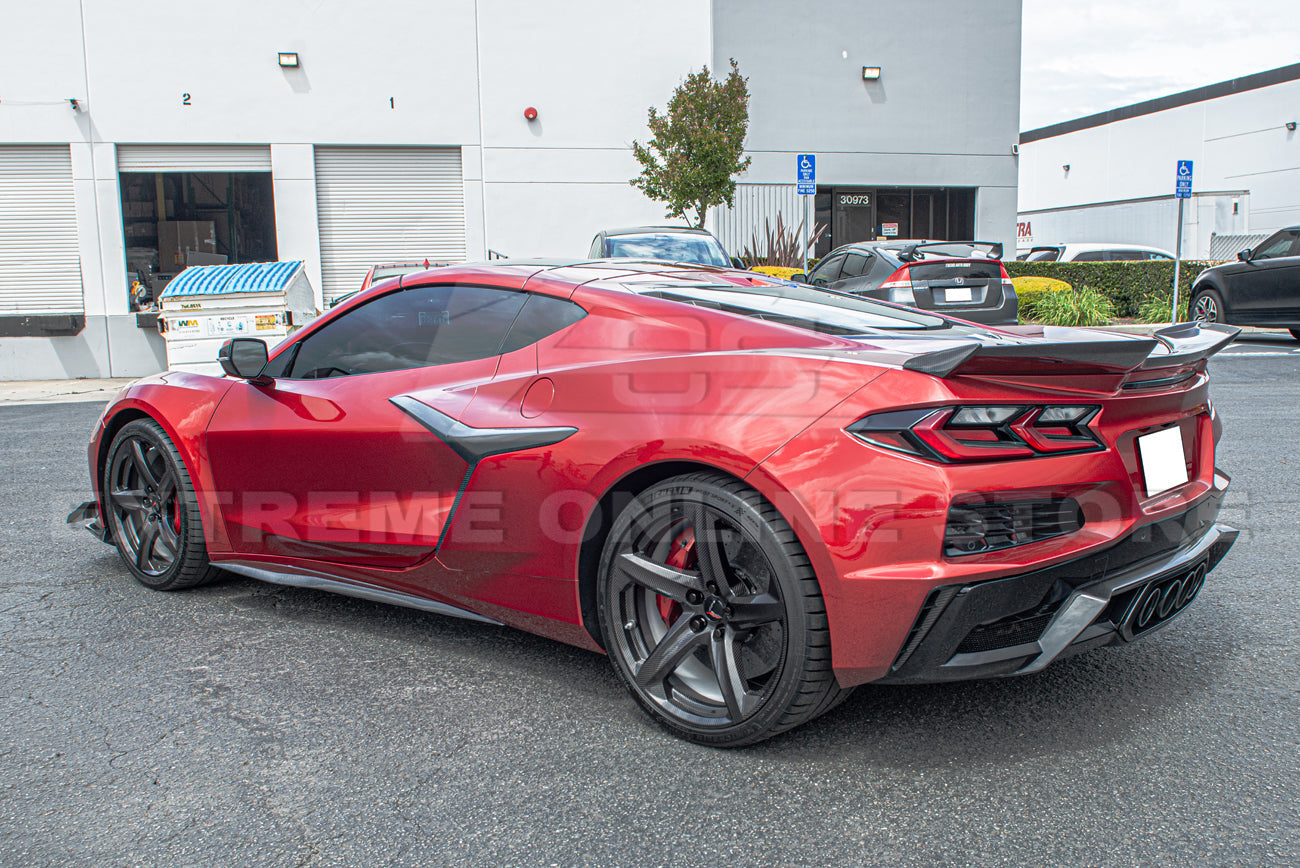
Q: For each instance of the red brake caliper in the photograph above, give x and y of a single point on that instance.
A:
(682, 557)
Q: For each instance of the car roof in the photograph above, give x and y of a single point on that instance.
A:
(894, 246)
(643, 230)
(1081, 246)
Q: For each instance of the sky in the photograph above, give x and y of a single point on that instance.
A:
(1079, 57)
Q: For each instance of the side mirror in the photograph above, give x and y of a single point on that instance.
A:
(799, 277)
(245, 358)
(1245, 255)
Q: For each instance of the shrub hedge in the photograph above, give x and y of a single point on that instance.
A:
(1030, 289)
(1126, 284)
(781, 271)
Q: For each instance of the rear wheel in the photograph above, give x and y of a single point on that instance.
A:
(1207, 307)
(712, 615)
(152, 510)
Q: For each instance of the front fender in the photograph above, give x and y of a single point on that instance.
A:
(183, 404)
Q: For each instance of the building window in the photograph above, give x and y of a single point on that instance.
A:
(884, 213)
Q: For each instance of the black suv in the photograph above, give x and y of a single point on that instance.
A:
(1262, 288)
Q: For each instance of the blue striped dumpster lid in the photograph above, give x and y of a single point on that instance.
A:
(225, 279)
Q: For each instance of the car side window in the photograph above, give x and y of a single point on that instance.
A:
(541, 317)
(410, 328)
(597, 248)
(827, 271)
(1281, 244)
(1091, 256)
(855, 264)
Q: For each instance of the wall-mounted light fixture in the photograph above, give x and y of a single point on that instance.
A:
(76, 104)
(1066, 168)
(289, 59)
(1290, 126)
(871, 73)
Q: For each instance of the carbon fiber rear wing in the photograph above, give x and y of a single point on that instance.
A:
(1174, 345)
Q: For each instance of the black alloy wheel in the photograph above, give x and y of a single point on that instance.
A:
(1207, 307)
(152, 511)
(712, 614)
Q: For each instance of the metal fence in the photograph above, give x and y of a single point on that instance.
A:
(736, 226)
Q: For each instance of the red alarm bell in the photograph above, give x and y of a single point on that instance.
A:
(530, 113)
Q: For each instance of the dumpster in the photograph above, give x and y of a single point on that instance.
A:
(205, 305)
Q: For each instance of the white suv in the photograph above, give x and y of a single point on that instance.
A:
(1092, 252)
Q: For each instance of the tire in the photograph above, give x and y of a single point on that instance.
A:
(152, 510)
(1207, 306)
(712, 614)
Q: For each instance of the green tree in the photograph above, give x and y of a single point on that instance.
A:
(692, 160)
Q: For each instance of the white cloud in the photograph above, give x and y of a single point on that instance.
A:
(1082, 58)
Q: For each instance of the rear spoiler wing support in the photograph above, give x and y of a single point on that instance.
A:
(1185, 343)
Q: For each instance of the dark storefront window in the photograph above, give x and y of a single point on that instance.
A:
(870, 213)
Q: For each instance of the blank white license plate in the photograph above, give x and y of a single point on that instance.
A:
(957, 293)
(1164, 463)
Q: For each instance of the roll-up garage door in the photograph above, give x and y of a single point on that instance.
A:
(40, 265)
(193, 158)
(386, 205)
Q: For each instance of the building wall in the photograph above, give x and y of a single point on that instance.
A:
(460, 73)
(1151, 222)
(1237, 142)
(945, 116)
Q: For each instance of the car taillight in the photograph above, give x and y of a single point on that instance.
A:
(898, 287)
(1006, 278)
(900, 279)
(982, 433)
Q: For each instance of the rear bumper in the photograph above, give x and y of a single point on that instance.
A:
(1020, 624)
(1007, 313)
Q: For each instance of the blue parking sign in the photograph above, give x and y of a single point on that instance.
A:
(806, 174)
(1183, 183)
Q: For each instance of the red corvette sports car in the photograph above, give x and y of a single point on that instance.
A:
(753, 495)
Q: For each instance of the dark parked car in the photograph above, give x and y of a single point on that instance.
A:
(1262, 288)
(965, 279)
(661, 243)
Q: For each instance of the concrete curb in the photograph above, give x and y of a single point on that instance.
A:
(13, 392)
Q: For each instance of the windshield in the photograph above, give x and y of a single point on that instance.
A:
(701, 249)
(807, 307)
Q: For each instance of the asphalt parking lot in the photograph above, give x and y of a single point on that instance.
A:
(246, 724)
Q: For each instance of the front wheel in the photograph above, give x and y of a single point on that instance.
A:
(712, 615)
(152, 510)
(1207, 307)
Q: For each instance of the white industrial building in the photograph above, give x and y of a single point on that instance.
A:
(135, 141)
(1110, 177)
